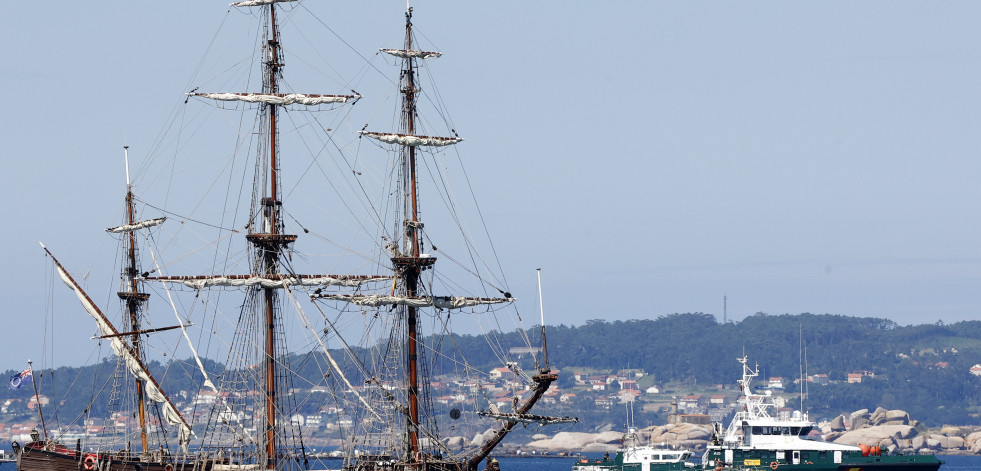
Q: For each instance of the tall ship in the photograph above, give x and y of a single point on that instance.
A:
(158, 436)
(342, 314)
(756, 438)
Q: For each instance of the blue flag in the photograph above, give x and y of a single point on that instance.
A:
(17, 380)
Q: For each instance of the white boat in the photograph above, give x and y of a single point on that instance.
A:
(756, 438)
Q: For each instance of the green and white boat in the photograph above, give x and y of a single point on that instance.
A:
(634, 456)
(639, 458)
(757, 440)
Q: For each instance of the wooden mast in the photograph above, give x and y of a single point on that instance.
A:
(268, 241)
(412, 270)
(133, 299)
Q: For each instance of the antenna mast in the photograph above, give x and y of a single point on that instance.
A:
(37, 399)
(541, 307)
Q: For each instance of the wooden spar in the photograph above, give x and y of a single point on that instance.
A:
(542, 381)
(144, 331)
(274, 276)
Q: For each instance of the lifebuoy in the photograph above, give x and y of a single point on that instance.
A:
(169, 467)
(89, 462)
(774, 465)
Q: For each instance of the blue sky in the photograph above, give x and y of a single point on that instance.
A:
(650, 157)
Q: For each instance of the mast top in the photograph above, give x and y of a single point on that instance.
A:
(126, 157)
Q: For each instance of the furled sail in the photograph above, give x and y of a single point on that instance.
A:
(133, 364)
(202, 282)
(440, 302)
(405, 54)
(258, 3)
(137, 225)
(411, 140)
(279, 98)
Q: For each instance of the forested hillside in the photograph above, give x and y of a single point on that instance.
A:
(924, 369)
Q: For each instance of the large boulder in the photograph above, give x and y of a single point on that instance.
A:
(882, 435)
(838, 424)
(867, 436)
(904, 445)
(896, 417)
(566, 441)
(951, 431)
(675, 434)
(954, 443)
(886, 443)
(945, 442)
(896, 431)
(859, 419)
(877, 416)
(972, 439)
(833, 436)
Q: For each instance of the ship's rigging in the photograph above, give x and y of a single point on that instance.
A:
(378, 335)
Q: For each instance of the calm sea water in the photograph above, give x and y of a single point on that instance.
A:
(952, 463)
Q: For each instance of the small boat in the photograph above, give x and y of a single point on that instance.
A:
(639, 458)
(634, 456)
(755, 439)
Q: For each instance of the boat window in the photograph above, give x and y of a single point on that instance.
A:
(785, 431)
(795, 430)
(822, 455)
(805, 455)
(757, 430)
(805, 431)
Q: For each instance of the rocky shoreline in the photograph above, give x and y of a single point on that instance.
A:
(892, 430)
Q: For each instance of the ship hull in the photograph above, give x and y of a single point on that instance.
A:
(37, 457)
(817, 461)
(650, 460)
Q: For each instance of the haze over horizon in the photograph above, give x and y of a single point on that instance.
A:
(650, 157)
